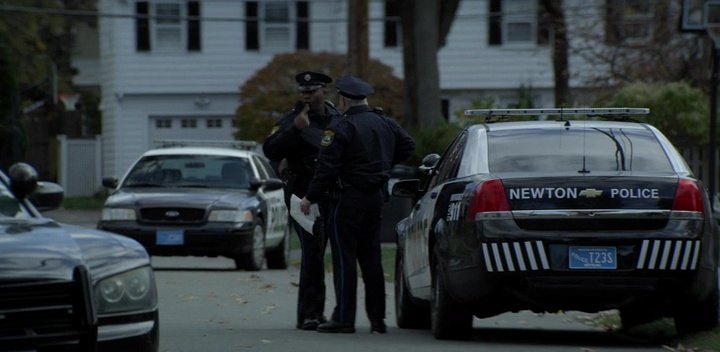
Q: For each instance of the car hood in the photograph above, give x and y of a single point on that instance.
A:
(182, 197)
(44, 249)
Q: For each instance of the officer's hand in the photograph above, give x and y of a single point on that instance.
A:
(305, 206)
(302, 120)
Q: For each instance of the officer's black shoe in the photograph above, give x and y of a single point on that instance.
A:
(378, 327)
(312, 323)
(335, 327)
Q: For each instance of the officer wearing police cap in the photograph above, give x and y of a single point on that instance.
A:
(296, 139)
(354, 167)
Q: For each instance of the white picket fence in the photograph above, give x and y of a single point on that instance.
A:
(80, 166)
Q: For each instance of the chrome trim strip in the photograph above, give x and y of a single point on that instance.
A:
(541, 252)
(519, 255)
(686, 256)
(643, 253)
(508, 256)
(486, 254)
(676, 254)
(498, 260)
(666, 254)
(531, 255)
(695, 255)
(598, 213)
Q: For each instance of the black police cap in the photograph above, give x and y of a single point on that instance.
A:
(353, 87)
(309, 81)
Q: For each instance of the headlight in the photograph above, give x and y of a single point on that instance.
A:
(230, 216)
(130, 291)
(118, 214)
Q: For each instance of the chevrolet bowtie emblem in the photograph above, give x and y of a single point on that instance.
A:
(590, 193)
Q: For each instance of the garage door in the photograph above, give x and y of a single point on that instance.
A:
(193, 128)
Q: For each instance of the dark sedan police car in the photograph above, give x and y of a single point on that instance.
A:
(555, 215)
(202, 198)
(64, 287)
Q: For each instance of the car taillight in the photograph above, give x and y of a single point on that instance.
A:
(489, 196)
(688, 197)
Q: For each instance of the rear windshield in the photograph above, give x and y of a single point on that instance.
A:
(561, 150)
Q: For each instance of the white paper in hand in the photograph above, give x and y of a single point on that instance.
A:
(306, 221)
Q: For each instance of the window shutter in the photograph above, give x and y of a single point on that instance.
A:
(392, 13)
(495, 23)
(252, 40)
(193, 40)
(613, 33)
(544, 27)
(142, 26)
(303, 26)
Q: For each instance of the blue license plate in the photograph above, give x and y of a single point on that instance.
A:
(170, 237)
(592, 257)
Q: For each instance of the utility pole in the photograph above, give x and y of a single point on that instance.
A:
(358, 53)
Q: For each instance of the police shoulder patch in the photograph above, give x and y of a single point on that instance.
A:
(328, 138)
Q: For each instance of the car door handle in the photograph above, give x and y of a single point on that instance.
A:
(433, 195)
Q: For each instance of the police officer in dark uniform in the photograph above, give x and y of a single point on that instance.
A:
(296, 139)
(354, 165)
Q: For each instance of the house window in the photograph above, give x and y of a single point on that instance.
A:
(392, 24)
(629, 20)
(214, 123)
(276, 26)
(188, 123)
(167, 25)
(512, 22)
(163, 123)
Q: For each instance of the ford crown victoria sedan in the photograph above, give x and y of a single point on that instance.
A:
(67, 288)
(199, 198)
(556, 215)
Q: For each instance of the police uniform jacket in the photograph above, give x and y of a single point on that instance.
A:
(360, 150)
(299, 147)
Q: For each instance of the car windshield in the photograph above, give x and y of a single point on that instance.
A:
(203, 171)
(576, 150)
(10, 207)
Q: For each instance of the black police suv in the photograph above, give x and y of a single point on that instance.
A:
(68, 288)
(556, 215)
(198, 198)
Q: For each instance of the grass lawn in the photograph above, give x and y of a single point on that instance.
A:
(83, 203)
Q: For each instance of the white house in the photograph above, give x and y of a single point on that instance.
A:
(174, 68)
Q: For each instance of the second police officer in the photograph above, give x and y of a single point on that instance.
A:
(354, 165)
(295, 140)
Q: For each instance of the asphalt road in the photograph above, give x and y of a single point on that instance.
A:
(206, 305)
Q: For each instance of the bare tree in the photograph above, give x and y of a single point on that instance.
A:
(358, 55)
(553, 9)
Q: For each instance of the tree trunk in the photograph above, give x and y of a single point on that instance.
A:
(559, 51)
(358, 54)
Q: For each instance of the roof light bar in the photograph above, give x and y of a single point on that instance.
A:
(558, 111)
(242, 145)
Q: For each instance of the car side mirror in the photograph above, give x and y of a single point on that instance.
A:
(47, 196)
(271, 184)
(110, 182)
(428, 163)
(406, 188)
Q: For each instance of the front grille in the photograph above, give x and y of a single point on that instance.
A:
(172, 215)
(34, 314)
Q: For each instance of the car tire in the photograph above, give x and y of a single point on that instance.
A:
(692, 317)
(408, 315)
(635, 315)
(254, 260)
(279, 257)
(449, 320)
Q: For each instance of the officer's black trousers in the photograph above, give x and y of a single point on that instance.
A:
(354, 230)
(311, 293)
